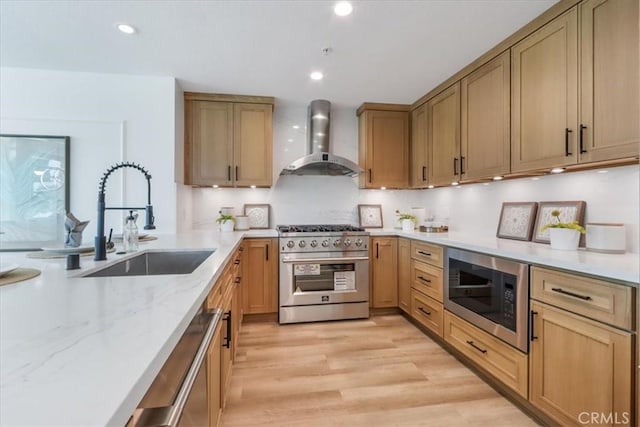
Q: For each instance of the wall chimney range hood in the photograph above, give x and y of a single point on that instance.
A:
(319, 160)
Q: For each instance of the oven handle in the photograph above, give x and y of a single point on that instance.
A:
(324, 260)
(169, 416)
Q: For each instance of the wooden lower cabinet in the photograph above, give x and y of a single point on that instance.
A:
(260, 276)
(384, 272)
(404, 275)
(499, 359)
(427, 279)
(427, 311)
(214, 381)
(580, 366)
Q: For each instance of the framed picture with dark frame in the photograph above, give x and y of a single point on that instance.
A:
(370, 216)
(516, 220)
(569, 212)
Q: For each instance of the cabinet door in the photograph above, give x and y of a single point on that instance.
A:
(404, 274)
(387, 149)
(443, 136)
(485, 121)
(544, 84)
(418, 159)
(213, 378)
(260, 276)
(384, 272)
(253, 145)
(578, 365)
(210, 143)
(609, 80)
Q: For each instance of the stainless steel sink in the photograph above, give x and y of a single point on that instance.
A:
(154, 263)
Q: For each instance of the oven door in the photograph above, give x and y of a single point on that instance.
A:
(491, 293)
(312, 279)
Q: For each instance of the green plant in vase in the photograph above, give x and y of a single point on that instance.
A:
(226, 222)
(407, 220)
(563, 235)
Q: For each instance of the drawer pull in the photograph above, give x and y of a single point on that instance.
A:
(424, 279)
(533, 314)
(236, 262)
(571, 294)
(424, 253)
(476, 347)
(428, 313)
(237, 280)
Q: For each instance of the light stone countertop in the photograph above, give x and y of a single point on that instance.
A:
(617, 267)
(83, 351)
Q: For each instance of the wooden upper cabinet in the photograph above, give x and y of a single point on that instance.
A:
(418, 148)
(610, 80)
(228, 143)
(485, 120)
(544, 85)
(384, 145)
(384, 272)
(253, 146)
(443, 136)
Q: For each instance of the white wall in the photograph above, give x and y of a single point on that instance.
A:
(110, 118)
(610, 197)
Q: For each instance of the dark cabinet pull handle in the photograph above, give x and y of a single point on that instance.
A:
(461, 165)
(424, 253)
(237, 173)
(241, 248)
(567, 131)
(377, 250)
(229, 173)
(533, 313)
(370, 175)
(476, 347)
(424, 279)
(237, 280)
(571, 294)
(424, 173)
(227, 339)
(582, 128)
(236, 262)
(266, 253)
(455, 166)
(428, 313)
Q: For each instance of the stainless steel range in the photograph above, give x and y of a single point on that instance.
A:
(324, 273)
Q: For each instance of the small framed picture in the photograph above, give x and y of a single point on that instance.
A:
(370, 216)
(516, 220)
(258, 215)
(569, 212)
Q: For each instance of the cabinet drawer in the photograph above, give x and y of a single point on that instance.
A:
(427, 311)
(597, 299)
(431, 254)
(499, 359)
(427, 279)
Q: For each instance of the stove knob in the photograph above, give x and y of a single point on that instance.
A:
(347, 242)
(290, 244)
(314, 243)
(302, 243)
(325, 243)
(336, 243)
(359, 242)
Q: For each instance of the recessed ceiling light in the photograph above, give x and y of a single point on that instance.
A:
(343, 8)
(126, 28)
(454, 183)
(602, 171)
(296, 127)
(383, 188)
(253, 186)
(535, 178)
(316, 75)
(497, 178)
(557, 170)
(216, 186)
(486, 183)
(431, 186)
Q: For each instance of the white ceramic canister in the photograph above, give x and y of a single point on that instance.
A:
(242, 222)
(421, 216)
(606, 237)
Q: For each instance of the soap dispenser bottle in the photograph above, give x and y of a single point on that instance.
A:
(130, 234)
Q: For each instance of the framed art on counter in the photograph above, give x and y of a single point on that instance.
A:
(516, 220)
(569, 212)
(370, 216)
(258, 215)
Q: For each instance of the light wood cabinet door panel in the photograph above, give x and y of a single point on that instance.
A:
(427, 311)
(260, 276)
(544, 85)
(418, 159)
(253, 146)
(578, 365)
(443, 136)
(610, 79)
(485, 120)
(426, 252)
(384, 272)
(404, 274)
(427, 279)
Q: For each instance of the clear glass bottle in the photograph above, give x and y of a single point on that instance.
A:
(130, 234)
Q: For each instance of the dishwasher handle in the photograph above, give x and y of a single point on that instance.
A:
(169, 416)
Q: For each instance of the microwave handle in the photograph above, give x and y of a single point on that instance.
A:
(169, 416)
(325, 260)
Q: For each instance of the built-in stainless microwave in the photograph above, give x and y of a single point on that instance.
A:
(491, 293)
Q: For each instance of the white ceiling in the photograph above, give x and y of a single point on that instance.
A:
(385, 51)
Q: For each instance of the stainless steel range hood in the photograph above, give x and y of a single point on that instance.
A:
(319, 160)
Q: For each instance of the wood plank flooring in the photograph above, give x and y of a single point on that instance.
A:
(377, 372)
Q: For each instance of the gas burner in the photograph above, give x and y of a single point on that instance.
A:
(321, 228)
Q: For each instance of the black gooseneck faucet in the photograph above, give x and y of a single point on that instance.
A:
(100, 240)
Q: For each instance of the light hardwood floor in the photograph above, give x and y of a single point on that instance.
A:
(377, 372)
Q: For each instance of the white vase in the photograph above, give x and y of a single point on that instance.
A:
(408, 225)
(565, 239)
(227, 226)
